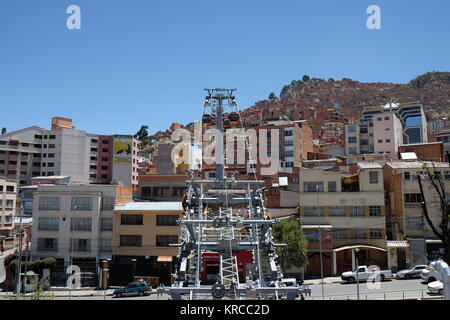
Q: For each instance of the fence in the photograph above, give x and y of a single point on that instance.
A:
(388, 295)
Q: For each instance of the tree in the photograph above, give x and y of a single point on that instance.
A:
(330, 80)
(305, 78)
(142, 133)
(272, 96)
(294, 254)
(441, 229)
(284, 90)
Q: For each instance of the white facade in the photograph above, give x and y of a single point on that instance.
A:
(77, 214)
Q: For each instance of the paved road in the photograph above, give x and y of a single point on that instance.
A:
(389, 289)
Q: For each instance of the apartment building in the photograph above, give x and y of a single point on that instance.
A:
(143, 232)
(404, 217)
(157, 187)
(382, 129)
(345, 204)
(66, 151)
(430, 151)
(8, 193)
(74, 224)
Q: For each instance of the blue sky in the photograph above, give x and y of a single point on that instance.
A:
(140, 62)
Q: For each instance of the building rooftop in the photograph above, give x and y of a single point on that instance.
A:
(50, 177)
(421, 144)
(416, 164)
(150, 206)
(369, 165)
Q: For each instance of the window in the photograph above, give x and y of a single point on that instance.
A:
(413, 197)
(47, 244)
(164, 241)
(289, 164)
(9, 188)
(351, 139)
(130, 241)
(104, 167)
(105, 141)
(414, 222)
(376, 233)
(358, 234)
(364, 142)
(49, 203)
(337, 211)
(51, 146)
(106, 245)
(363, 130)
(289, 153)
(93, 149)
(352, 150)
(387, 129)
(37, 136)
(288, 143)
(340, 234)
(9, 203)
(373, 177)
(132, 219)
(106, 224)
(375, 211)
(105, 150)
(81, 203)
(407, 176)
(332, 186)
(386, 118)
(83, 245)
(51, 164)
(357, 211)
(311, 235)
(351, 128)
(166, 220)
(52, 136)
(380, 140)
(288, 133)
(388, 140)
(108, 203)
(48, 224)
(80, 224)
(51, 155)
(92, 167)
(379, 119)
(313, 211)
(313, 186)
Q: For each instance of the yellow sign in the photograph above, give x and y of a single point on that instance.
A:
(122, 151)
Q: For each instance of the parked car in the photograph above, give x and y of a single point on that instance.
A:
(436, 287)
(365, 273)
(430, 274)
(139, 288)
(414, 272)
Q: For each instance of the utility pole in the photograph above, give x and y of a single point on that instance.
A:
(19, 258)
(320, 245)
(357, 273)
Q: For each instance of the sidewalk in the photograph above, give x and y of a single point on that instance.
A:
(74, 293)
(326, 280)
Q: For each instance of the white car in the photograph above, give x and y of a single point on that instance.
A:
(430, 274)
(436, 287)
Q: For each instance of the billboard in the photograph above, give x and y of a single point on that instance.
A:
(122, 153)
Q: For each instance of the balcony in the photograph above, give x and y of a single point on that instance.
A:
(375, 198)
(13, 157)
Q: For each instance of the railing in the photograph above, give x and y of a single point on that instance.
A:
(387, 295)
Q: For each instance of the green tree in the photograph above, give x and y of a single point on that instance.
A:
(142, 133)
(305, 78)
(272, 96)
(294, 254)
(440, 226)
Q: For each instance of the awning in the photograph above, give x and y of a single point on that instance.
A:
(433, 241)
(358, 246)
(164, 259)
(398, 244)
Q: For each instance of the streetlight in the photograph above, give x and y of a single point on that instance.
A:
(356, 251)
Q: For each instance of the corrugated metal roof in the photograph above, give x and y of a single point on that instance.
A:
(150, 206)
(408, 156)
(397, 244)
(369, 165)
(416, 164)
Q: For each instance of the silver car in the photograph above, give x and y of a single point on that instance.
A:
(414, 272)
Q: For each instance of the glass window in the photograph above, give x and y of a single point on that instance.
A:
(332, 186)
(164, 241)
(108, 203)
(313, 186)
(80, 224)
(131, 219)
(130, 241)
(351, 139)
(80, 245)
(49, 203)
(106, 245)
(357, 211)
(81, 203)
(166, 220)
(375, 211)
(351, 128)
(373, 177)
(47, 244)
(358, 234)
(48, 224)
(337, 211)
(413, 197)
(313, 211)
(339, 234)
(106, 224)
(376, 233)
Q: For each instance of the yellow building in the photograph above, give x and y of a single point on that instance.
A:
(143, 232)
